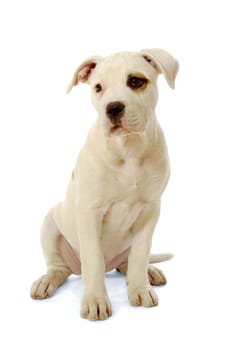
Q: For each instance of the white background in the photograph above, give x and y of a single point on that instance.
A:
(42, 130)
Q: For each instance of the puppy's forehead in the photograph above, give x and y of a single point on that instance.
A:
(121, 64)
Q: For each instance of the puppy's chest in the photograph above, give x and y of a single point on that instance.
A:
(134, 178)
(134, 186)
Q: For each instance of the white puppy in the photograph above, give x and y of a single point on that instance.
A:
(113, 199)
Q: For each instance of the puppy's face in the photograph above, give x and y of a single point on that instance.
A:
(124, 93)
(124, 90)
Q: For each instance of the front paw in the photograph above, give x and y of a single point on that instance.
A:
(144, 296)
(95, 307)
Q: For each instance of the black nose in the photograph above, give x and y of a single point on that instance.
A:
(114, 111)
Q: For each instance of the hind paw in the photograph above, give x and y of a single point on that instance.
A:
(156, 276)
(46, 285)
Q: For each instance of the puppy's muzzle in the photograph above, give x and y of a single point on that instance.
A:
(115, 111)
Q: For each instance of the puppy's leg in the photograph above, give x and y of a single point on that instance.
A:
(139, 290)
(95, 303)
(155, 276)
(57, 269)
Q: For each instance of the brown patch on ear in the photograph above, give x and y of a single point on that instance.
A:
(73, 175)
(163, 62)
(152, 63)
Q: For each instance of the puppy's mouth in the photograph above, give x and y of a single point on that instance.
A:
(118, 129)
(121, 127)
(115, 128)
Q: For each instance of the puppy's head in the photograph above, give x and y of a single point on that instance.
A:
(124, 90)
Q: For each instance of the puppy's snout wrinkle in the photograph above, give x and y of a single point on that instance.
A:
(115, 111)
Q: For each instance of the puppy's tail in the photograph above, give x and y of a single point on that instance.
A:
(157, 258)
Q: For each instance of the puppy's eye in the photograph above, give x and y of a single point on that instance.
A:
(98, 88)
(136, 82)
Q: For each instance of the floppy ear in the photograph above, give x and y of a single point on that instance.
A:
(83, 72)
(163, 62)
